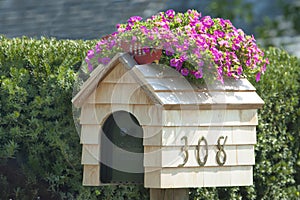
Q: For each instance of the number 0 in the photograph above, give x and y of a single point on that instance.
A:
(200, 162)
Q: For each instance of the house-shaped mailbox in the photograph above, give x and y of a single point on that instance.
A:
(147, 124)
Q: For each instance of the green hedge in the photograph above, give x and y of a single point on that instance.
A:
(39, 146)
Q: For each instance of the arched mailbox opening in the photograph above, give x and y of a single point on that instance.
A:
(122, 149)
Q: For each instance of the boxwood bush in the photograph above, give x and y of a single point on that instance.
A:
(39, 147)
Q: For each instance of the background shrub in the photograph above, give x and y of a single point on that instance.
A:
(39, 146)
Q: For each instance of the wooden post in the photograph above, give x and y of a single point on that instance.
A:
(169, 194)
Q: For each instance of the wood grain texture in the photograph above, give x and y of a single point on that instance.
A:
(163, 73)
(172, 136)
(119, 93)
(90, 154)
(157, 71)
(170, 84)
(119, 75)
(90, 134)
(209, 117)
(172, 157)
(198, 177)
(206, 100)
(91, 175)
(145, 114)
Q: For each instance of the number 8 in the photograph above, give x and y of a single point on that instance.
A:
(221, 151)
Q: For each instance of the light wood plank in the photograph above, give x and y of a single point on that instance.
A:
(119, 75)
(90, 134)
(152, 178)
(173, 156)
(172, 136)
(177, 84)
(91, 175)
(145, 114)
(170, 84)
(90, 154)
(240, 100)
(145, 86)
(209, 117)
(231, 84)
(156, 71)
(198, 177)
(119, 93)
(163, 72)
(218, 176)
(240, 177)
(184, 98)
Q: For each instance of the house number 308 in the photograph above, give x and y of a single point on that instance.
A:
(220, 156)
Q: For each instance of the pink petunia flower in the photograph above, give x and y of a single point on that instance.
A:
(170, 13)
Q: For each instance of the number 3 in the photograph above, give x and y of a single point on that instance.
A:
(185, 150)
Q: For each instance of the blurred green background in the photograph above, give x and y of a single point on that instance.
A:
(39, 146)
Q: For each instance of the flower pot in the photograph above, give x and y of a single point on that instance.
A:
(126, 46)
(148, 57)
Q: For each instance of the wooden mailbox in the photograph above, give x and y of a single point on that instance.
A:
(192, 136)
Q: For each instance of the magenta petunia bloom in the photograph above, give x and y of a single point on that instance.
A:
(111, 44)
(133, 39)
(134, 19)
(200, 63)
(240, 70)
(223, 43)
(170, 13)
(145, 30)
(146, 49)
(184, 71)
(257, 78)
(90, 66)
(187, 37)
(219, 33)
(177, 63)
(169, 51)
(173, 62)
(98, 49)
(207, 21)
(198, 74)
(90, 54)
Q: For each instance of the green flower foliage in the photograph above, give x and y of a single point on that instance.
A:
(39, 147)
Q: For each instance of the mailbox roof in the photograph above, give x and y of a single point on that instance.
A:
(164, 85)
